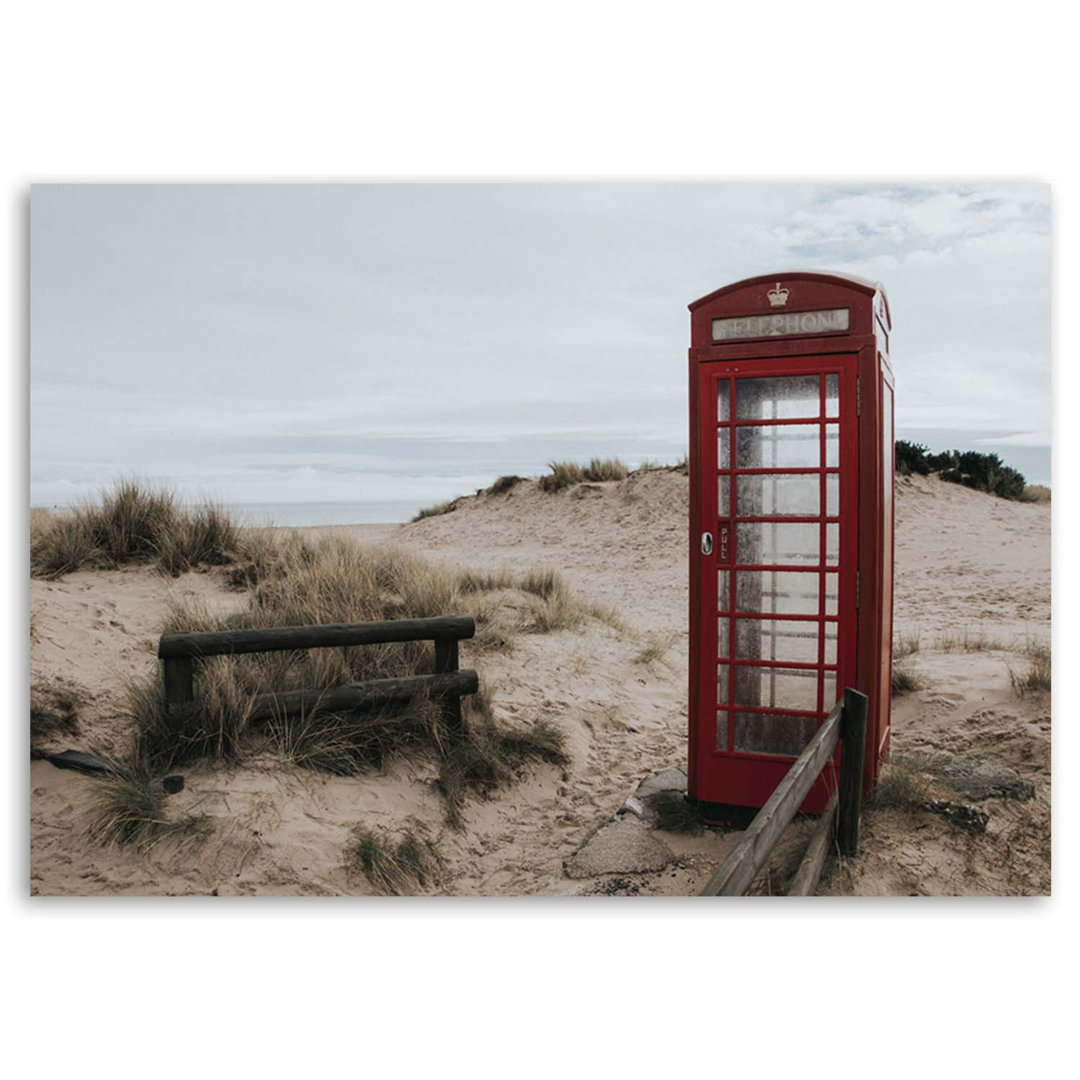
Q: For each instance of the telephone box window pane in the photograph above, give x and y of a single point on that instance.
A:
(761, 543)
(721, 730)
(832, 395)
(722, 630)
(832, 495)
(776, 688)
(779, 592)
(788, 640)
(830, 647)
(828, 699)
(832, 446)
(832, 583)
(786, 397)
(772, 733)
(721, 684)
(723, 590)
(723, 412)
(778, 446)
(832, 545)
(723, 495)
(723, 449)
(779, 495)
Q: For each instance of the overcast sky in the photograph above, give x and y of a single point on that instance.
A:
(364, 343)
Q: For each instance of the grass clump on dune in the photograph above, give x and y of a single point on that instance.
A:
(600, 470)
(437, 510)
(130, 808)
(563, 474)
(503, 485)
(904, 681)
(54, 710)
(1037, 678)
(395, 866)
(133, 523)
(674, 814)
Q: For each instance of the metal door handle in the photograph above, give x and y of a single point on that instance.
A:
(706, 543)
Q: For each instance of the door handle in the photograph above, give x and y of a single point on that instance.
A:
(706, 543)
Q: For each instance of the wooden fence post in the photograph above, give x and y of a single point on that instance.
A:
(852, 755)
(446, 660)
(179, 680)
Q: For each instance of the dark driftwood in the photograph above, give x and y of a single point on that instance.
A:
(179, 680)
(365, 695)
(853, 733)
(276, 639)
(808, 875)
(736, 873)
(80, 761)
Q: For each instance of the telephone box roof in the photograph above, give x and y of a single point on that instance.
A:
(850, 281)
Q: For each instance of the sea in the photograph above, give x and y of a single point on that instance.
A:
(296, 514)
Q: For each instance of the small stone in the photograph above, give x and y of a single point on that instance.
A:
(634, 807)
(672, 779)
(622, 847)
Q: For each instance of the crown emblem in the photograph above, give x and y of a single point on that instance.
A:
(777, 297)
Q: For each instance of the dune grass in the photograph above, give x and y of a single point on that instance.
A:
(903, 784)
(133, 523)
(395, 866)
(655, 647)
(1036, 493)
(674, 814)
(129, 807)
(563, 474)
(1037, 677)
(905, 681)
(907, 644)
(600, 470)
(437, 510)
(504, 484)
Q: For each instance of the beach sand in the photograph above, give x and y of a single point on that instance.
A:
(972, 586)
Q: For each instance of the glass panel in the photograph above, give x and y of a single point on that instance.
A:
(832, 545)
(830, 647)
(779, 495)
(832, 495)
(721, 730)
(832, 446)
(772, 733)
(766, 542)
(785, 397)
(783, 592)
(776, 639)
(723, 590)
(723, 495)
(721, 684)
(778, 446)
(723, 448)
(723, 389)
(723, 627)
(832, 395)
(777, 688)
(828, 698)
(832, 583)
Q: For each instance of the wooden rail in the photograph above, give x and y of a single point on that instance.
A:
(846, 724)
(180, 651)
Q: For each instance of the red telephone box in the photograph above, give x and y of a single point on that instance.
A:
(791, 528)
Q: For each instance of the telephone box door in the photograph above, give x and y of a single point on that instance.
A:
(778, 491)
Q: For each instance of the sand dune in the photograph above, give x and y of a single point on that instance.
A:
(971, 570)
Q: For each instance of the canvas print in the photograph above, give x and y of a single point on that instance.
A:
(567, 540)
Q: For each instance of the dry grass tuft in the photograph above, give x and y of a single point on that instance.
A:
(133, 523)
(503, 485)
(129, 808)
(903, 784)
(1037, 677)
(1036, 493)
(907, 644)
(395, 866)
(674, 814)
(437, 510)
(654, 650)
(563, 474)
(599, 470)
(904, 681)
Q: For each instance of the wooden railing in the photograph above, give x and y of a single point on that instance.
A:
(446, 683)
(846, 724)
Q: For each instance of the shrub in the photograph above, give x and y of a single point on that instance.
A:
(597, 471)
(911, 458)
(563, 475)
(904, 681)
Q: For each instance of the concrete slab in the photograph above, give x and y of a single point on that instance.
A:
(621, 847)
